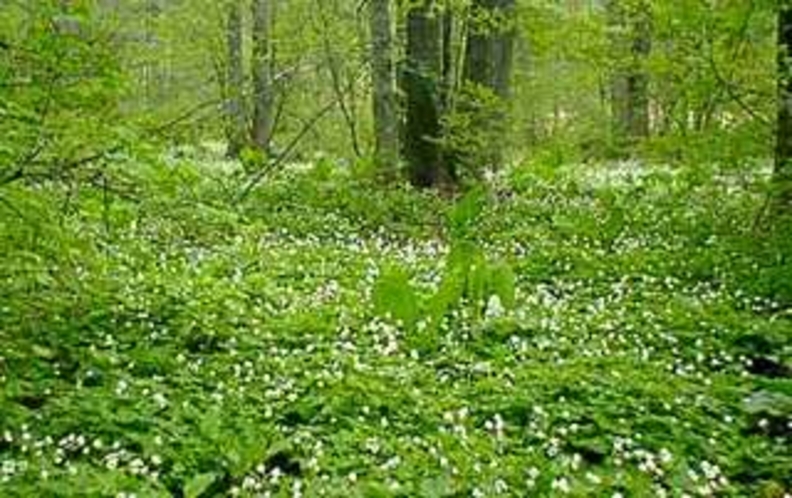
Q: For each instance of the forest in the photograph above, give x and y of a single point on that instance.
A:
(395, 248)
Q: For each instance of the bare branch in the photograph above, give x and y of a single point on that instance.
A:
(285, 155)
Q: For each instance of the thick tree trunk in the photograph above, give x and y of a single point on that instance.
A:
(490, 46)
(235, 81)
(386, 121)
(488, 66)
(783, 152)
(262, 74)
(421, 81)
(630, 83)
(478, 62)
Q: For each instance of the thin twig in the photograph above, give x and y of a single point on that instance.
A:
(285, 155)
(68, 166)
(335, 78)
(724, 80)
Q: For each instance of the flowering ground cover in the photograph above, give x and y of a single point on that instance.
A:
(587, 331)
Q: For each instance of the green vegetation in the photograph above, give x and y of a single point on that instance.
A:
(436, 248)
(327, 340)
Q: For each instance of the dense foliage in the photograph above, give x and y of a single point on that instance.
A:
(626, 337)
(592, 298)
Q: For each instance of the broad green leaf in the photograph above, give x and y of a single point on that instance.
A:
(196, 486)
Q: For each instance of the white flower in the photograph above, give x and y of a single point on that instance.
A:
(494, 308)
(160, 400)
(704, 490)
(561, 484)
(711, 471)
(249, 483)
(593, 478)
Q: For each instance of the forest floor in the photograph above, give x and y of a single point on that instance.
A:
(158, 340)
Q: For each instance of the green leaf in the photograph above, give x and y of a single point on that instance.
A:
(477, 283)
(394, 295)
(466, 212)
(502, 283)
(436, 487)
(451, 289)
(196, 486)
(374, 490)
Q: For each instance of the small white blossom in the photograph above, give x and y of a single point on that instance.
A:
(561, 484)
(494, 308)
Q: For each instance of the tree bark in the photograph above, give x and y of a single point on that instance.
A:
(385, 105)
(235, 82)
(422, 81)
(631, 29)
(503, 52)
(449, 75)
(262, 74)
(488, 66)
(783, 152)
(490, 46)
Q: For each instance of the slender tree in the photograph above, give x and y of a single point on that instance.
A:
(783, 152)
(235, 81)
(262, 74)
(630, 26)
(449, 31)
(503, 49)
(386, 124)
(421, 84)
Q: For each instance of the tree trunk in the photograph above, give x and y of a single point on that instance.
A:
(262, 74)
(449, 75)
(152, 69)
(488, 66)
(422, 81)
(783, 152)
(490, 47)
(478, 61)
(386, 123)
(631, 30)
(503, 53)
(235, 82)
(639, 79)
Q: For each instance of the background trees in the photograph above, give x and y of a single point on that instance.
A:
(384, 97)
(783, 153)
(175, 322)
(235, 81)
(480, 83)
(262, 73)
(421, 83)
(631, 32)
(488, 72)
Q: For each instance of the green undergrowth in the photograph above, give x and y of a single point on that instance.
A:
(615, 330)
